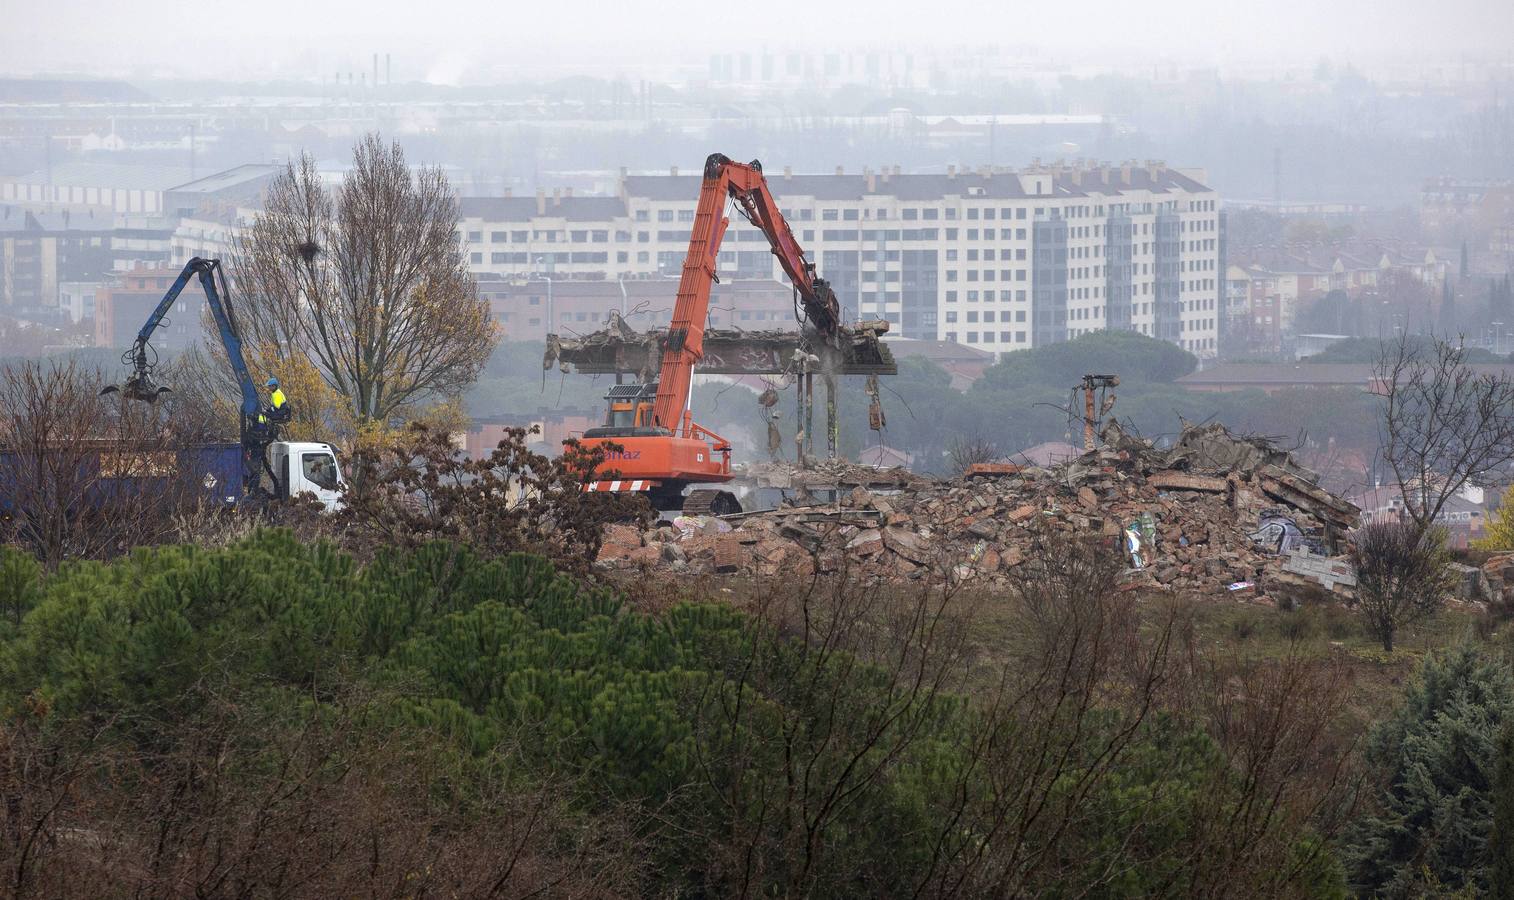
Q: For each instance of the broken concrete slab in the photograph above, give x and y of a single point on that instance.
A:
(1181, 481)
(1331, 573)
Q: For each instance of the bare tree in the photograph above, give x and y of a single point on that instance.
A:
(370, 282)
(964, 452)
(1445, 424)
(842, 688)
(859, 672)
(1401, 575)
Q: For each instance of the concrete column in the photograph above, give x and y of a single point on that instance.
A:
(809, 413)
(832, 428)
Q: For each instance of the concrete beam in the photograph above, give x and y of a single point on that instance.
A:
(619, 349)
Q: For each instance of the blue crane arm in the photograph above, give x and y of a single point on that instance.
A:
(207, 270)
(230, 339)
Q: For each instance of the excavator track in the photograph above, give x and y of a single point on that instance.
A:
(711, 503)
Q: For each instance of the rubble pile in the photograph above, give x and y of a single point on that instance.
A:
(1216, 513)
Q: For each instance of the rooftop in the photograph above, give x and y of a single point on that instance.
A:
(989, 185)
(16, 219)
(1304, 374)
(244, 174)
(121, 176)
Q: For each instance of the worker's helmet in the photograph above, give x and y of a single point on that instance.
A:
(271, 383)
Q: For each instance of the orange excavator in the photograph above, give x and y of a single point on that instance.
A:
(662, 450)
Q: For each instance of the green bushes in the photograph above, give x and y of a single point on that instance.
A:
(1437, 756)
(817, 745)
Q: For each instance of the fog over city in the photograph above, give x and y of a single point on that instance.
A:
(289, 39)
(933, 450)
(1345, 171)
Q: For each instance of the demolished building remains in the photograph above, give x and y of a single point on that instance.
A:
(1214, 514)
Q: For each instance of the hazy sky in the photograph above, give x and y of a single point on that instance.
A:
(444, 39)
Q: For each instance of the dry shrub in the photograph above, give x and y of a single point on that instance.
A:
(421, 487)
(86, 476)
(1402, 575)
(239, 802)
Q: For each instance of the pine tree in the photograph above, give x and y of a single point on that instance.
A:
(1501, 843)
(1436, 756)
(20, 587)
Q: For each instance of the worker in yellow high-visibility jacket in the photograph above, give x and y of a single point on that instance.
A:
(276, 403)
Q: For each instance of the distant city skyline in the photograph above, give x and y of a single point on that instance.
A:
(468, 41)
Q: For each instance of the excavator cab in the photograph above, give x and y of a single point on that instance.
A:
(628, 412)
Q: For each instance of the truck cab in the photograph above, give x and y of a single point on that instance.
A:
(306, 467)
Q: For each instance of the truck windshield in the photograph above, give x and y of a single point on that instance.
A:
(320, 469)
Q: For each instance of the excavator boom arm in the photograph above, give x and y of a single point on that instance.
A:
(744, 183)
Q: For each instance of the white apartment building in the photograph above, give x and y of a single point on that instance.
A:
(997, 259)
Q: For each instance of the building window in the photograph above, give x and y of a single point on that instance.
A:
(664, 215)
(497, 237)
(475, 236)
(476, 259)
(972, 337)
